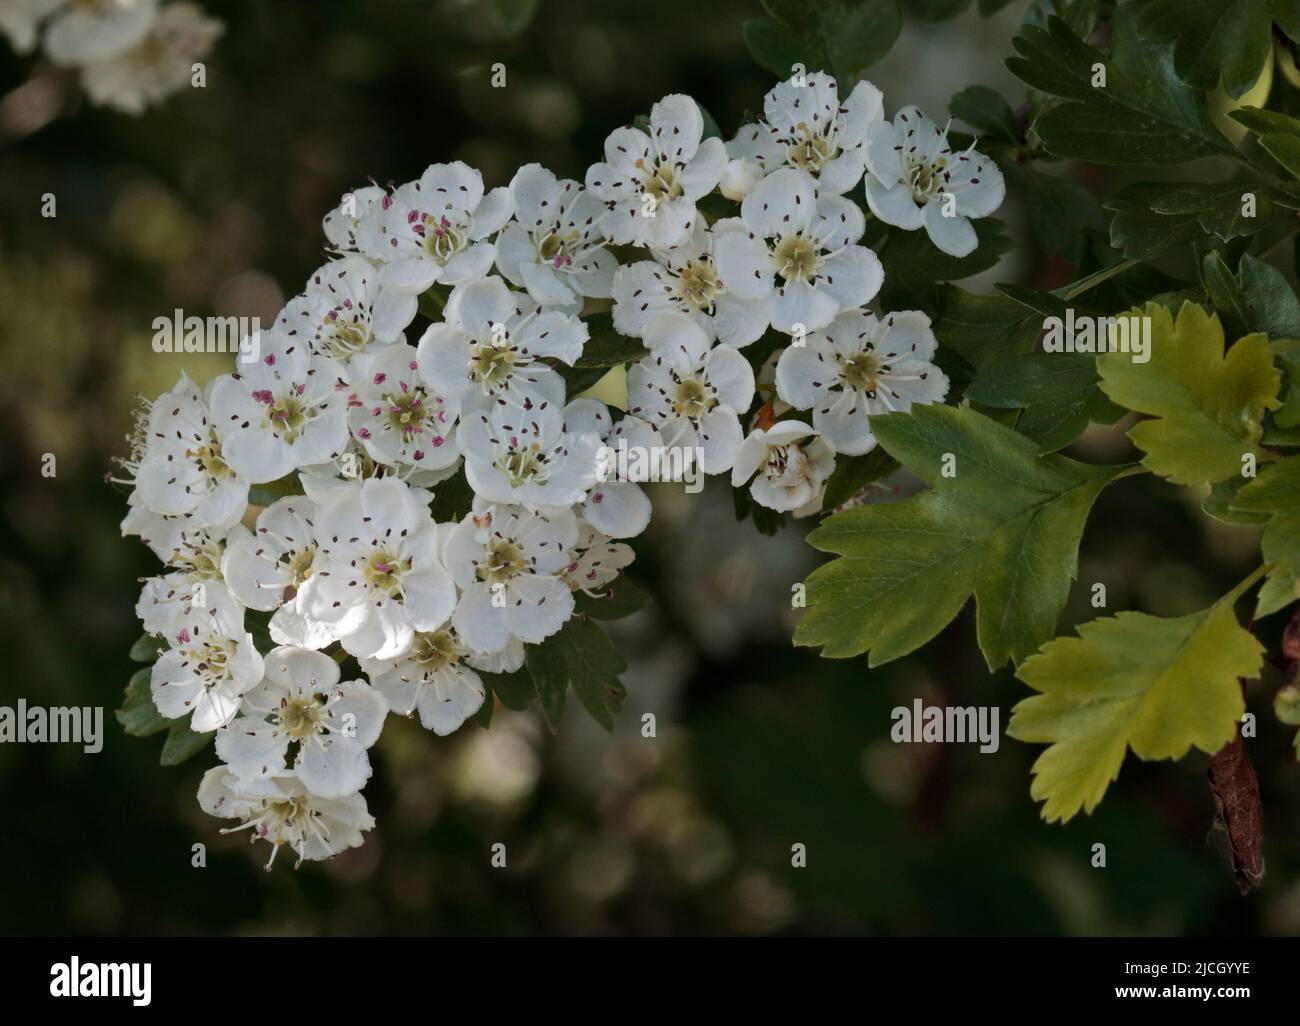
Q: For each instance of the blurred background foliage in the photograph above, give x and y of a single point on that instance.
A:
(212, 203)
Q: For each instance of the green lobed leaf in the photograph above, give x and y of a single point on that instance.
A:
(1157, 686)
(146, 648)
(854, 473)
(1207, 405)
(1144, 114)
(1006, 528)
(1213, 38)
(1058, 393)
(1275, 493)
(985, 110)
(842, 37)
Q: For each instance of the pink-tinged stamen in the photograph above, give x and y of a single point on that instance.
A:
(263, 395)
(437, 441)
(270, 360)
(418, 454)
(386, 202)
(184, 635)
(364, 433)
(598, 497)
(414, 365)
(380, 378)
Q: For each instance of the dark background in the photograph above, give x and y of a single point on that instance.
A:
(212, 203)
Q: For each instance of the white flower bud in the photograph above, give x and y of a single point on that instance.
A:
(738, 177)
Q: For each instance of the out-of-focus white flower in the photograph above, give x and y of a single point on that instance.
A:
(19, 20)
(791, 462)
(280, 811)
(158, 64)
(797, 253)
(300, 701)
(807, 128)
(490, 347)
(435, 229)
(554, 247)
(507, 562)
(96, 30)
(287, 410)
(650, 182)
(916, 179)
(686, 280)
(860, 365)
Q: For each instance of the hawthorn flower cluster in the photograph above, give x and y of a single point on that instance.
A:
(129, 53)
(301, 485)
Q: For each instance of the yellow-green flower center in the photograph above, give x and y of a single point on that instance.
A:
(693, 399)
(436, 649)
(811, 151)
(797, 258)
(502, 561)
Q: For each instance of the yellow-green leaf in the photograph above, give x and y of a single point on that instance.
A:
(1207, 406)
(1157, 686)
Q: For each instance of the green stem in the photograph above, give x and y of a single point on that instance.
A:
(1093, 280)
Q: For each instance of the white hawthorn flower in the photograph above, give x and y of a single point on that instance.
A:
(342, 225)
(211, 662)
(301, 702)
(395, 415)
(508, 563)
(182, 468)
(797, 253)
(686, 280)
(377, 577)
(343, 310)
(196, 552)
(280, 811)
(266, 568)
(650, 183)
(595, 561)
(159, 64)
(435, 229)
(860, 365)
(543, 458)
(616, 505)
(791, 461)
(435, 677)
(19, 20)
(916, 179)
(287, 410)
(693, 394)
(168, 599)
(490, 347)
(554, 247)
(807, 128)
(95, 30)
